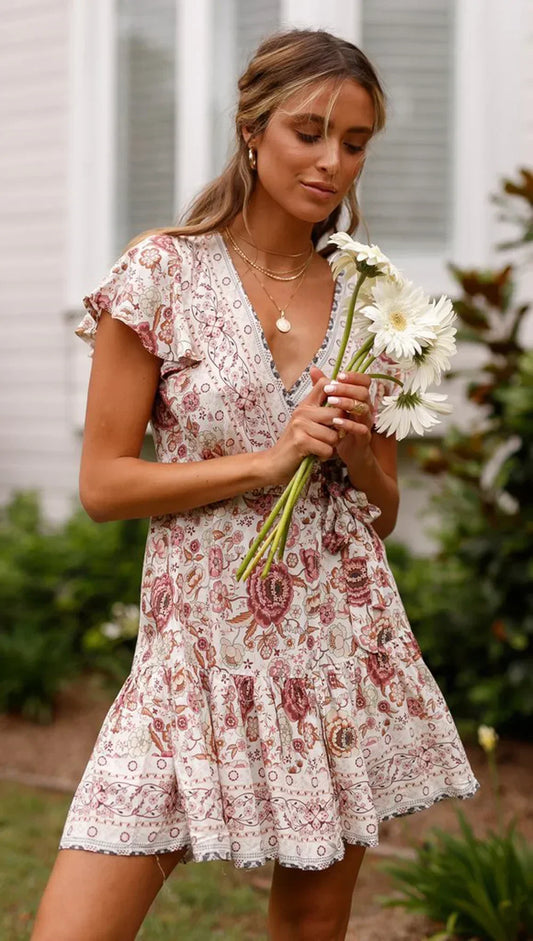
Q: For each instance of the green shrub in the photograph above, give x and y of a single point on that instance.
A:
(471, 604)
(478, 888)
(484, 674)
(57, 585)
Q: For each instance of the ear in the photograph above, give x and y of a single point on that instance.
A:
(247, 136)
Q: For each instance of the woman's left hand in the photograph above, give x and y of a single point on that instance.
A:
(351, 394)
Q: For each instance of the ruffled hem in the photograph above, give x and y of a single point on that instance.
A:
(215, 852)
(254, 767)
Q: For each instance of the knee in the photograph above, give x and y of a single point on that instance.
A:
(311, 925)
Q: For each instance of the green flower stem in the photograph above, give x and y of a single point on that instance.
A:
(367, 362)
(362, 355)
(382, 375)
(284, 521)
(348, 327)
(246, 565)
(253, 562)
(309, 461)
(264, 529)
(495, 783)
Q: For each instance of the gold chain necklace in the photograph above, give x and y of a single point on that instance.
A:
(282, 323)
(270, 252)
(270, 274)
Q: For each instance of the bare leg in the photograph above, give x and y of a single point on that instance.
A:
(99, 897)
(309, 905)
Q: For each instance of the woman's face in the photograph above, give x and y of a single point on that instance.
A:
(302, 167)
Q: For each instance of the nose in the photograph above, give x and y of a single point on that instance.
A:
(328, 158)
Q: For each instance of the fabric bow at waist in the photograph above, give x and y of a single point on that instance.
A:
(346, 508)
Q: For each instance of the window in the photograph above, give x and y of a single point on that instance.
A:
(407, 186)
(239, 27)
(145, 117)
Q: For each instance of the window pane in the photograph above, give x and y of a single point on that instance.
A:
(145, 116)
(239, 27)
(406, 192)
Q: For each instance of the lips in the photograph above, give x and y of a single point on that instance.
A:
(320, 188)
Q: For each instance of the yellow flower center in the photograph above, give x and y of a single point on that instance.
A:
(398, 320)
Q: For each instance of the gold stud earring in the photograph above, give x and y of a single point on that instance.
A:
(252, 158)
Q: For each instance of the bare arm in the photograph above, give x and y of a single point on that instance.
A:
(375, 472)
(116, 484)
(370, 458)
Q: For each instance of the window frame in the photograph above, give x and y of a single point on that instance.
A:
(490, 136)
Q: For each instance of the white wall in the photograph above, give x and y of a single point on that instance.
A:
(37, 444)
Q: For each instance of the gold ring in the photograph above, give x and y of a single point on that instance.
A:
(358, 407)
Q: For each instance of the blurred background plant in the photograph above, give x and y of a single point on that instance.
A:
(58, 596)
(476, 888)
(471, 603)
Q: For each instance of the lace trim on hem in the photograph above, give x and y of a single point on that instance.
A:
(291, 862)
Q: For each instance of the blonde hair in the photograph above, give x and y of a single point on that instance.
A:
(283, 64)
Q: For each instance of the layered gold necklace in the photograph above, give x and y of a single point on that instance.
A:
(283, 324)
(291, 275)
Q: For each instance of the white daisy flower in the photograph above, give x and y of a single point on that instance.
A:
(426, 368)
(356, 257)
(410, 411)
(402, 318)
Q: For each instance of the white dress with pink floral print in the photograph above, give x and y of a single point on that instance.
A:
(275, 718)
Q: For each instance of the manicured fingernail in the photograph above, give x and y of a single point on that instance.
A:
(341, 375)
(333, 400)
(337, 421)
(330, 388)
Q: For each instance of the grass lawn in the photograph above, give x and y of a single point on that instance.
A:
(200, 901)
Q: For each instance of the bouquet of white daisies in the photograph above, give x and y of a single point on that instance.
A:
(388, 315)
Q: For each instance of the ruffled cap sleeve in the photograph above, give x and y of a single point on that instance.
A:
(142, 290)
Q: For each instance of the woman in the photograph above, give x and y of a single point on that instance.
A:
(271, 719)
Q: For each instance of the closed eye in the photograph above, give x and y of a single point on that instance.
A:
(313, 138)
(308, 138)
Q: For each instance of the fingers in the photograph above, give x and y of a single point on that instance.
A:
(317, 395)
(317, 430)
(315, 373)
(317, 439)
(313, 431)
(360, 431)
(351, 395)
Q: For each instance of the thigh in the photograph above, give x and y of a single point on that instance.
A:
(100, 897)
(300, 896)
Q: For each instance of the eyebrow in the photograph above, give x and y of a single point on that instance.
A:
(317, 119)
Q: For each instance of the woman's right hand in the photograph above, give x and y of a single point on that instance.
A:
(310, 431)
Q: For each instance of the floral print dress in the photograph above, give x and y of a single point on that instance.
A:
(275, 718)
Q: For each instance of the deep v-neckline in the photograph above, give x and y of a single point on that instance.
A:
(290, 392)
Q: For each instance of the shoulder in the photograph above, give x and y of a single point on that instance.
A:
(157, 248)
(171, 265)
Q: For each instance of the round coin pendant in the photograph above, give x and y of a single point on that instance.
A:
(282, 323)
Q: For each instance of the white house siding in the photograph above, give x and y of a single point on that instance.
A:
(43, 370)
(529, 82)
(38, 448)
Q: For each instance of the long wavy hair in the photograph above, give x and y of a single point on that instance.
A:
(284, 63)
